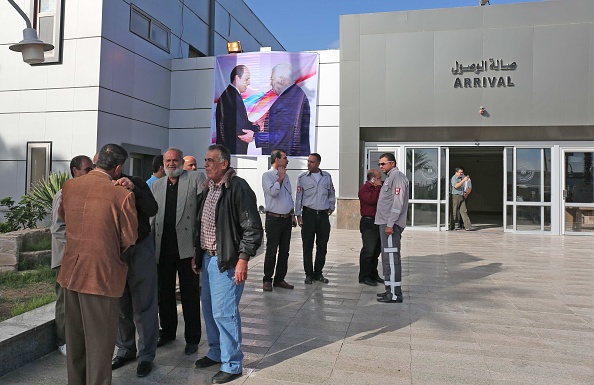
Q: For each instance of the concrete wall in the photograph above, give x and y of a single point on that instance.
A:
(190, 119)
(397, 72)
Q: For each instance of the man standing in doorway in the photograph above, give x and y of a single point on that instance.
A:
(459, 200)
(368, 197)
(174, 230)
(79, 165)
(102, 224)
(228, 234)
(314, 203)
(279, 220)
(392, 209)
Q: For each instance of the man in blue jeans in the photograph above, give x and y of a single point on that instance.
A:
(228, 232)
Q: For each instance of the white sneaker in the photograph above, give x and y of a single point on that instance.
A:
(62, 350)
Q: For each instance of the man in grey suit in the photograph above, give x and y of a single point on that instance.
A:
(174, 229)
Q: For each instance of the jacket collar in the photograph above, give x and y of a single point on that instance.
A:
(229, 174)
(321, 173)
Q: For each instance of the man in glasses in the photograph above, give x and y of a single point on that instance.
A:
(392, 208)
(279, 220)
(459, 199)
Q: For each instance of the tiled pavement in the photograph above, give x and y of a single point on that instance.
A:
(481, 307)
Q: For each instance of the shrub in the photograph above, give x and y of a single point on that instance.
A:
(22, 215)
(43, 191)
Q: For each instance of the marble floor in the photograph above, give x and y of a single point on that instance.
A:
(482, 307)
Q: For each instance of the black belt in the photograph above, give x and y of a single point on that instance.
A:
(271, 214)
(211, 253)
(368, 217)
(319, 212)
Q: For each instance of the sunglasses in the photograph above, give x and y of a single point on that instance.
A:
(381, 164)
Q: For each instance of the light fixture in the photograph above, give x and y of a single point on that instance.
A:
(234, 47)
(31, 47)
(484, 2)
(482, 111)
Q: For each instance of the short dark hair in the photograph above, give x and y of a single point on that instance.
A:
(460, 168)
(388, 155)
(77, 162)
(224, 153)
(157, 163)
(318, 156)
(275, 154)
(238, 70)
(371, 173)
(110, 156)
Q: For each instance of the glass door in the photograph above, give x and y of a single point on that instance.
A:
(578, 192)
(372, 156)
(527, 189)
(426, 169)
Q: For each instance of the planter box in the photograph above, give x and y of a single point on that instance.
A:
(12, 244)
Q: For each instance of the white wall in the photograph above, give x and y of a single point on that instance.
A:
(190, 118)
(56, 103)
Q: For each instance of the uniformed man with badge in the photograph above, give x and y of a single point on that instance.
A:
(315, 201)
(392, 208)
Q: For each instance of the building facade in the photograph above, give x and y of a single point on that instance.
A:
(506, 91)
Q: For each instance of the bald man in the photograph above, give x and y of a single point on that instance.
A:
(190, 163)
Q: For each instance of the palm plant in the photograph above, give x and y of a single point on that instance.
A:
(43, 191)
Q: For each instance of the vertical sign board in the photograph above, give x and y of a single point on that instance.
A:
(265, 100)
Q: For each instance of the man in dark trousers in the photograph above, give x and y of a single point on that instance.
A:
(138, 305)
(368, 196)
(231, 115)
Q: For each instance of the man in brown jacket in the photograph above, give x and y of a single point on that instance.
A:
(101, 223)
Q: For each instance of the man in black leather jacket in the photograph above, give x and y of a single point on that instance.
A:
(228, 233)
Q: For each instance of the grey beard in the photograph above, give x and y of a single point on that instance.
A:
(174, 174)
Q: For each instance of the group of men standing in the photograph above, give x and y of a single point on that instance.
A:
(384, 208)
(123, 244)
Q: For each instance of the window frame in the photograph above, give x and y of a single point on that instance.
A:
(152, 22)
(48, 163)
(54, 56)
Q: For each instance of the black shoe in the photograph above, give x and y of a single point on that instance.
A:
(190, 349)
(224, 377)
(205, 362)
(118, 362)
(385, 293)
(378, 280)
(368, 282)
(144, 368)
(388, 298)
(321, 278)
(308, 280)
(162, 341)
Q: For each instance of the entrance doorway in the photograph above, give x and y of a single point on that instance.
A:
(484, 165)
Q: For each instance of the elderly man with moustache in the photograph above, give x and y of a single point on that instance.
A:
(228, 234)
(190, 163)
(370, 236)
(101, 224)
(79, 165)
(174, 230)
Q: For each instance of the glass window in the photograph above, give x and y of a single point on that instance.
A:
(424, 182)
(528, 175)
(159, 35)
(547, 174)
(149, 28)
(139, 24)
(509, 157)
(509, 220)
(38, 162)
(528, 218)
(48, 23)
(425, 215)
(578, 177)
(47, 6)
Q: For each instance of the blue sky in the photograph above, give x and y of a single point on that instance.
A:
(302, 25)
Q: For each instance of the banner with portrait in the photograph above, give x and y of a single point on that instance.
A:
(264, 101)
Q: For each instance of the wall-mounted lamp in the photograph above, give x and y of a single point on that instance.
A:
(484, 2)
(31, 47)
(234, 47)
(482, 111)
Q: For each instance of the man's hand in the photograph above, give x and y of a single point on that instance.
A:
(330, 212)
(282, 172)
(127, 183)
(466, 178)
(299, 221)
(294, 219)
(260, 122)
(241, 271)
(248, 137)
(195, 269)
(389, 230)
(378, 182)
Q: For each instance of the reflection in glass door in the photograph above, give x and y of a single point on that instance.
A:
(578, 192)
(527, 181)
(372, 158)
(426, 170)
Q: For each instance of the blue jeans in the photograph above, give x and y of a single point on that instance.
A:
(220, 309)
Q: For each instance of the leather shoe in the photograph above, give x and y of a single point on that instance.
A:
(284, 285)
(224, 377)
(162, 341)
(308, 280)
(267, 286)
(118, 362)
(190, 349)
(321, 278)
(205, 362)
(385, 293)
(368, 282)
(388, 298)
(144, 368)
(378, 280)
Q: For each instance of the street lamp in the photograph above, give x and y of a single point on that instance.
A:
(31, 47)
